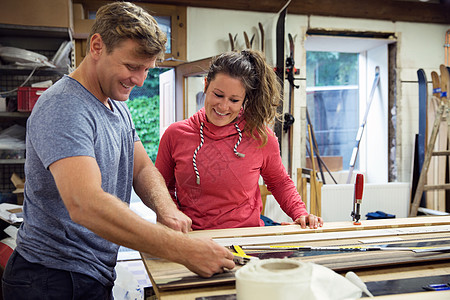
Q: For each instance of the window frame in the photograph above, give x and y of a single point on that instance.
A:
(178, 29)
(373, 42)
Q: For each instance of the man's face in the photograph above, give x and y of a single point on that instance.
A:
(121, 70)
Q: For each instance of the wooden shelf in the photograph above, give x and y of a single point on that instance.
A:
(15, 114)
(12, 161)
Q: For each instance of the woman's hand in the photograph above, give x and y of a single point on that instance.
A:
(311, 220)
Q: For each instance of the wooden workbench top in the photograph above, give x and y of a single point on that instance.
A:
(174, 281)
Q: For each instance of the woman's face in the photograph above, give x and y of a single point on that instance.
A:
(224, 98)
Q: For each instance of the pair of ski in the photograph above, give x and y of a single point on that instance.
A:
(285, 66)
(430, 125)
(285, 69)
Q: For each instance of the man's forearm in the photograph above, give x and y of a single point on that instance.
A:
(149, 185)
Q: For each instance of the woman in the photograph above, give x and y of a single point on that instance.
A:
(212, 161)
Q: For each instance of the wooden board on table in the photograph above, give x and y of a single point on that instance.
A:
(345, 261)
(327, 227)
(167, 276)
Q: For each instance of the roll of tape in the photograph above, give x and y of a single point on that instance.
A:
(287, 279)
(272, 279)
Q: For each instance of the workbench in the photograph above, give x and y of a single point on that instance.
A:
(376, 268)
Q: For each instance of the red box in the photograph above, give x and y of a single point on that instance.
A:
(27, 97)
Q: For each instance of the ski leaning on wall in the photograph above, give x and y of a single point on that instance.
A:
(422, 136)
(280, 70)
(288, 120)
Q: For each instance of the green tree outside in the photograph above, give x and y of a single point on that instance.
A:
(144, 109)
(331, 68)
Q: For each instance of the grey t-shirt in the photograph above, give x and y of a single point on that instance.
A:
(69, 121)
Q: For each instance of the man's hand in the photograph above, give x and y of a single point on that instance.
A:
(311, 220)
(205, 257)
(176, 220)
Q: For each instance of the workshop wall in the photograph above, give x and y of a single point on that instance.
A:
(419, 45)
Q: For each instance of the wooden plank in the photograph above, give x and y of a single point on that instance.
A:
(382, 9)
(334, 163)
(264, 193)
(328, 236)
(313, 201)
(327, 227)
(431, 116)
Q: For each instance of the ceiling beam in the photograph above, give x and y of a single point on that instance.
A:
(390, 10)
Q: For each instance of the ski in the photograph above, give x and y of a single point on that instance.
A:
(248, 43)
(423, 100)
(232, 41)
(280, 70)
(288, 120)
(261, 29)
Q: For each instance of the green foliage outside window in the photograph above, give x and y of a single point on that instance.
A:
(332, 84)
(331, 68)
(144, 109)
(145, 113)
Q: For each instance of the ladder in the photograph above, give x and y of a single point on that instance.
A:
(442, 114)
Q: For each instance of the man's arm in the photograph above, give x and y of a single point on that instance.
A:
(149, 185)
(79, 183)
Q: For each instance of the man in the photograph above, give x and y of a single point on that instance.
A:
(83, 157)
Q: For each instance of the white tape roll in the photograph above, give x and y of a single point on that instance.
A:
(271, 279)
(288, 279)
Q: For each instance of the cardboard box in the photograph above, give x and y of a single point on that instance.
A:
(49, 13)
(19, 183)
(81, 26)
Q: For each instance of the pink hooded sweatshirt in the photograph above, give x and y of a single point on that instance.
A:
(213, 178)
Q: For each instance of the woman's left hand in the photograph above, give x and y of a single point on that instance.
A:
(311, 220)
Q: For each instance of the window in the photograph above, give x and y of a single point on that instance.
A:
(171, 19)
(332, 87)
(340, 73)
(144, 105)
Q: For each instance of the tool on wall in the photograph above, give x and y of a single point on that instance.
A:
(363, 124)
(357, 200)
